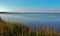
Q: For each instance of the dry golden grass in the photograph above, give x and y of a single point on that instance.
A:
(17, 29)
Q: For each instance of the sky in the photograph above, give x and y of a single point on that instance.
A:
(30, 6)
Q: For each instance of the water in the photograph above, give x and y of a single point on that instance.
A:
(34, 20)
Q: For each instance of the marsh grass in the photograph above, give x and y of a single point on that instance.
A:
(17, 29)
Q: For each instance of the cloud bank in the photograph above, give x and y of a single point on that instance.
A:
(31, 10)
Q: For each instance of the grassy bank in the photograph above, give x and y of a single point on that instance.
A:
(17, 29)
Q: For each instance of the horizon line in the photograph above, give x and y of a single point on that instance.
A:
(30, 12)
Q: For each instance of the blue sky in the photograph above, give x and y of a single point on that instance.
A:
(30, 5)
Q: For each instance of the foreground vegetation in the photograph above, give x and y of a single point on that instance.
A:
(17, 29)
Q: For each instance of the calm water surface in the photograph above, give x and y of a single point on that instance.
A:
(34, 20)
